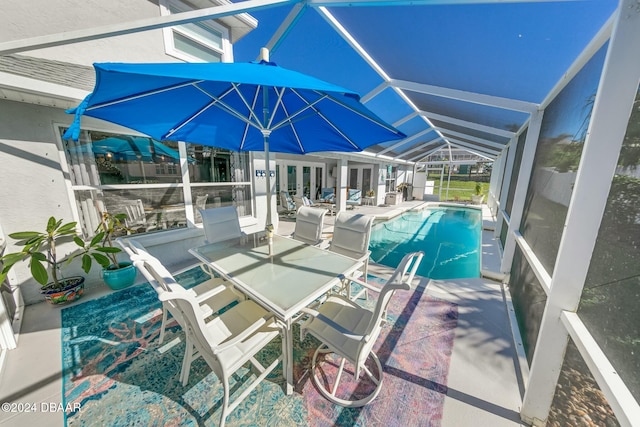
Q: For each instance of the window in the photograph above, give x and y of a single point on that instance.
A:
(142, 178)
(205, 41)
(390, 181)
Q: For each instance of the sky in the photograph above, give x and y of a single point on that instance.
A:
(510, 50)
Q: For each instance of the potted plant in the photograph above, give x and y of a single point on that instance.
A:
(40, 249)
(478, 198)
(117, 275)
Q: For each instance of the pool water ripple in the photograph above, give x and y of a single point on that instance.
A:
(449, 237)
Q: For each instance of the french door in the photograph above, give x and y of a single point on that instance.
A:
(302, 178)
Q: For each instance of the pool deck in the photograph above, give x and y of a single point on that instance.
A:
(483, 387)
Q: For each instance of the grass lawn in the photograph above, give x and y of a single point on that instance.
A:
(459, 190)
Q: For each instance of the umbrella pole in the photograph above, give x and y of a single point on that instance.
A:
(266, 160)
(269, 225)
(265, 133)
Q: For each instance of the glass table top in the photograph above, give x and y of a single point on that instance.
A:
(294, 276)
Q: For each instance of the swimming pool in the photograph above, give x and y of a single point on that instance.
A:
(448, 236)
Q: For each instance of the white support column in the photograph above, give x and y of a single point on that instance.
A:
(186, 190)
(611, 111)
(504, 191)
(341, 185)
(524, 175)
(493, 183)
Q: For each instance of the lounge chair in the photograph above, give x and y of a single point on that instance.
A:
(354, 198)
(328, 195)
(287, 203)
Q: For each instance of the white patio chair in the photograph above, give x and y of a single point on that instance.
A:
(221, 223)
(229, 341)
(201, 203)
(213, 294)
(309, 223)
(136, 217)
(351, 235)
(350, 331)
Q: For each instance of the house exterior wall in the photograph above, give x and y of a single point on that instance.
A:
(33, 184)
(21, 20)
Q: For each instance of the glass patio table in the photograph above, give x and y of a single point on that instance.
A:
(294, 276)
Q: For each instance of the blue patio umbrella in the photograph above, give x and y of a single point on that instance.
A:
(239, 106)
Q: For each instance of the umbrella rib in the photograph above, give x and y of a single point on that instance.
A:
(293, 129)
(329, 122)
(196, 114)
(246, 104)
(275, 108)
(223, 106)
(371, 119)
(246, 128)
(309, 105)
(144, 94)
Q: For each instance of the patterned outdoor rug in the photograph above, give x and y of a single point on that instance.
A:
(115, 369)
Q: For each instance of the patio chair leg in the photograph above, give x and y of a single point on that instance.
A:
(225, 402)
(163, 325)
(186, 363)
(331, 395)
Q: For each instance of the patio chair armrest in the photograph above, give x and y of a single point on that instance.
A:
(333, 325)
(244, 334)
(363, 284)
(210, 293)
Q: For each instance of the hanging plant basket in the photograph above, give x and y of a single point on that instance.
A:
(72, 289)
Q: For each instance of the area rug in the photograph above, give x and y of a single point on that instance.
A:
(117, 374)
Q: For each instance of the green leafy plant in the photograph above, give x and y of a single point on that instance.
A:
(39, 248)
(100, 248)
(370, 193)
(478, 189)
(402, 186)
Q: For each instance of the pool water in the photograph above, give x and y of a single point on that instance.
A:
(448, 236)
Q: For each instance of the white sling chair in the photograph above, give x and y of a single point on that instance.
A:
(201, 204)
(309, 223)
(213, 294)
(229, 341)
(351, 235)
(220, 224)
(350, 331)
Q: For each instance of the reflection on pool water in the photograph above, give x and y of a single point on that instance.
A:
(448, 236)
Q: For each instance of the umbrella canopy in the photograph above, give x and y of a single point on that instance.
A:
(238, 106)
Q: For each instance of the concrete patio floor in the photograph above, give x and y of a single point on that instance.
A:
(484, 386)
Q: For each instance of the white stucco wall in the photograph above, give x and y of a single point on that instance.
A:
(26, 19)
(32, 185)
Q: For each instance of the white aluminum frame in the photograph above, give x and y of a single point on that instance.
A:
(612, 107)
